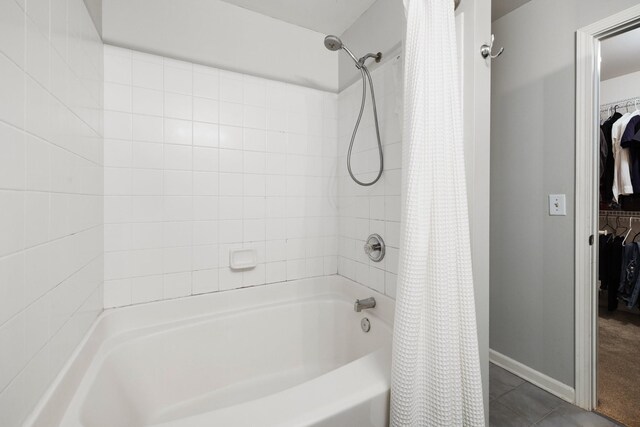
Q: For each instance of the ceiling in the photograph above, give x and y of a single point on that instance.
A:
(324, 16)
(499, 8)
(95, 11)
(620, 55)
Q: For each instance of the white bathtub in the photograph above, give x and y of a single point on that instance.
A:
(289, 354)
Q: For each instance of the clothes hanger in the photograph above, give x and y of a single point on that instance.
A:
(606, 224)
(620, 226)
(636, 236)
(629, 231)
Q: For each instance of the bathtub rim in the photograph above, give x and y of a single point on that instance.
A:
(56, 400)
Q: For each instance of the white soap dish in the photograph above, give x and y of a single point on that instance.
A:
(243, 259)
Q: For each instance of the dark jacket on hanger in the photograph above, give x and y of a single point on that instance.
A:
(604, 151)
(610, 249)
(628, 141)
(603, 261)
(629, 274)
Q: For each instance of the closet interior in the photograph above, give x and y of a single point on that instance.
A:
(618, 376)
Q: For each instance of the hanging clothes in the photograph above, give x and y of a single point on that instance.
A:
(606, 180)
(622, 176)
(610, 261)
(627, 141)
(603, 262)
(604, 151)
(629, 288)
(603, 159)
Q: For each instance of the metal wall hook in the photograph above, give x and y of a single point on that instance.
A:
(485, 50)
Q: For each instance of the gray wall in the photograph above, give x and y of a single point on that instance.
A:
(380, 29)
(532, 155)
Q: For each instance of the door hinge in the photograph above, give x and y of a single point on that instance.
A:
(591, 240)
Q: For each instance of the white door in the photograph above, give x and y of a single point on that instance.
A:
(473, 19)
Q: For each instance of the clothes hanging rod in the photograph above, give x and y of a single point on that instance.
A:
(621, 103)
(619, 213)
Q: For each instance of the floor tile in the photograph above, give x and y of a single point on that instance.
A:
(501, 416)
(502, 375)
(531, 402)
(515, 403)
(501, 381)
(572, 416)
(498, 388)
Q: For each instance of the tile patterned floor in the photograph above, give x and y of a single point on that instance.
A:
(517, 403)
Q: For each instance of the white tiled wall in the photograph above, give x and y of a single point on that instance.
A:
(374, 209)
(51, 236)
(200, 161)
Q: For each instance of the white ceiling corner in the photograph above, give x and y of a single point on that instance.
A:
(620, 55)
(323, 16)
(499, 8)
(95, 11)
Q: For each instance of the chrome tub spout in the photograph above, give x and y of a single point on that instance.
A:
(363, 304)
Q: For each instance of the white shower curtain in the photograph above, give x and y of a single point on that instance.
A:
(436, 370)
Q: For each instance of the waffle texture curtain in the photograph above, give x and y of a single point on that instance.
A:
(435, 371)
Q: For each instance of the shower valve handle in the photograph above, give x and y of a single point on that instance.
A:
(374, 248)
(369, 248)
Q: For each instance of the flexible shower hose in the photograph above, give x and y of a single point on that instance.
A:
(366, 76)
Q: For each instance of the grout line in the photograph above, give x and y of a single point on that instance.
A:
(49, 290)
(545, 416)
(28, 75)
(31, 134)
(131, 153)
(64, 193)
(28, 248)
(50, 339)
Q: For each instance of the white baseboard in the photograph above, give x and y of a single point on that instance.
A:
(539, 379)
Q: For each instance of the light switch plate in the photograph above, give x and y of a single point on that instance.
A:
(557, 204)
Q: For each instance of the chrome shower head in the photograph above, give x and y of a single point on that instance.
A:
(333, 43)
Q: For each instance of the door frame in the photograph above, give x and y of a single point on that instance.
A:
(587, 201)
